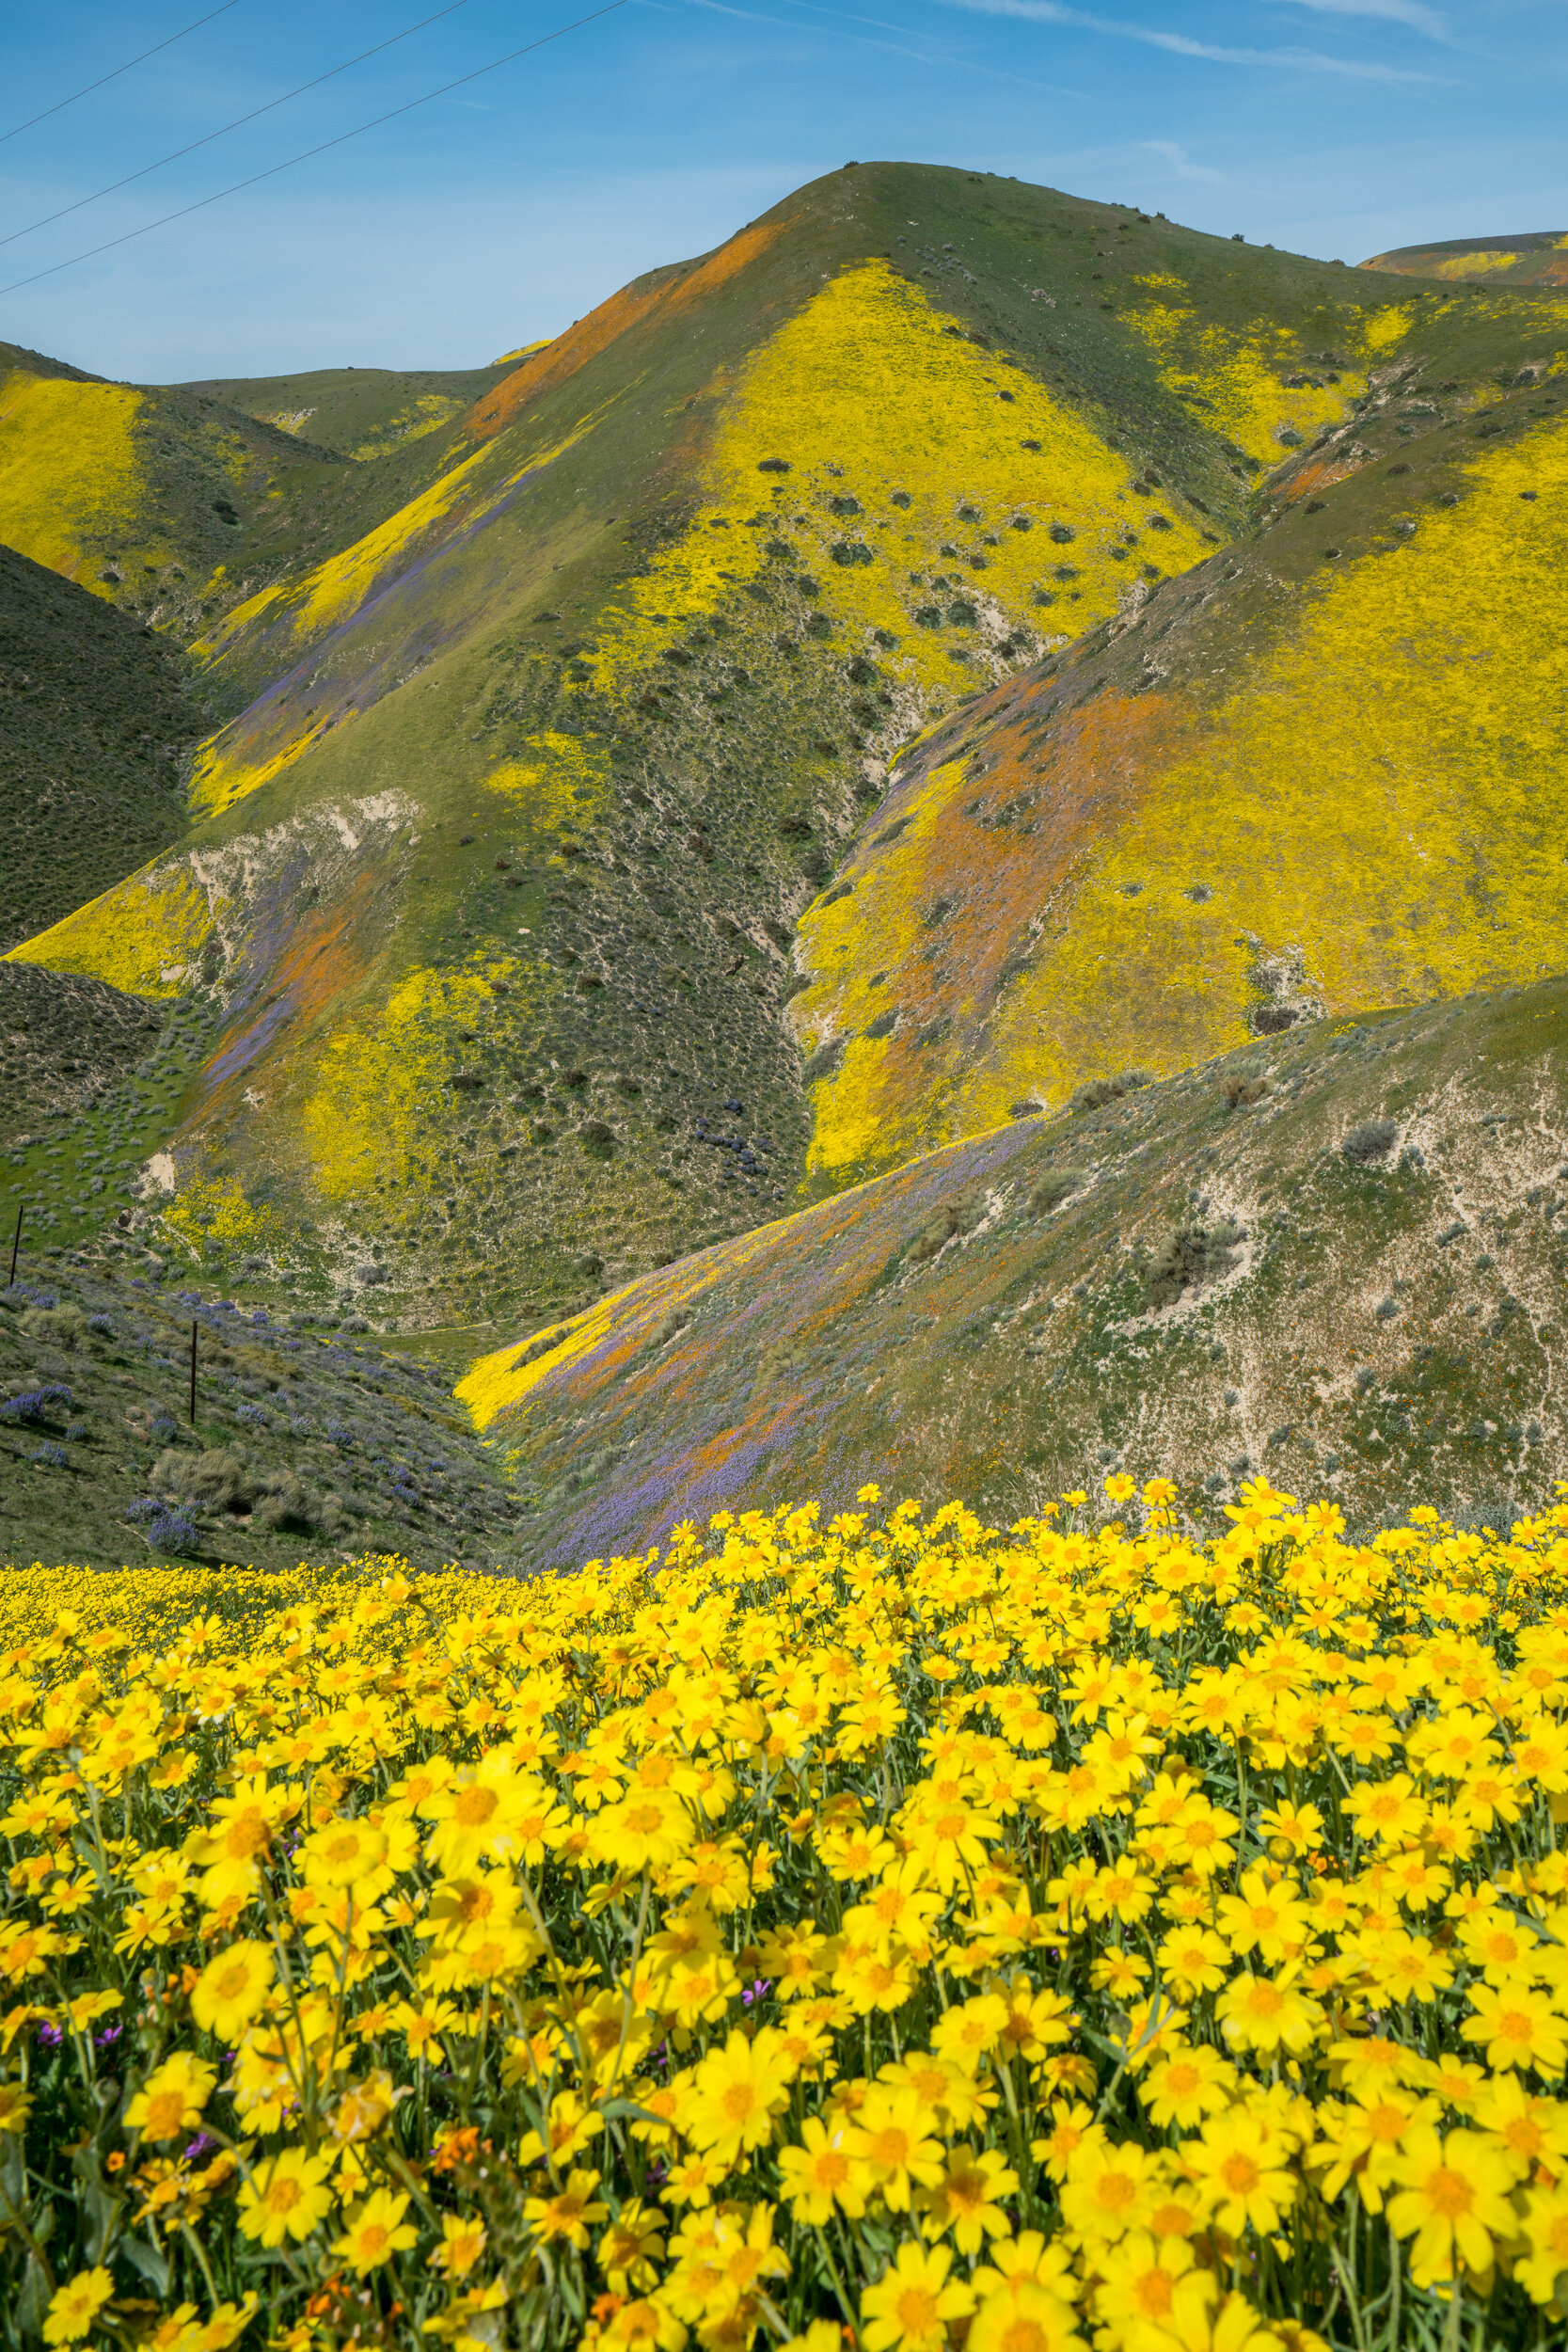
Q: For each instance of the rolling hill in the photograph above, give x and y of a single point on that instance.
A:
(1336, 1257)
(499, 868)
(357, 412)
(1033, 731)
(1540, 259)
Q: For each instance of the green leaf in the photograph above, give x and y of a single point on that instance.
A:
(152, 2265)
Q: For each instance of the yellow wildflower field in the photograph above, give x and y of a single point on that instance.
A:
(896, 1935)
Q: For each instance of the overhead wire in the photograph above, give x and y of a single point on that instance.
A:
(89, 87)
(206, 140)
(343, 136)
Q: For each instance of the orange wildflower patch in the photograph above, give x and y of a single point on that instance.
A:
(673, 289)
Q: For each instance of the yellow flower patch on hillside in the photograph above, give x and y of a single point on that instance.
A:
(214, 1208)
(377, 1086)
(909, 477)
(870, 391)
(71, 485)
(1384, 798)
(1475, 264)
(221, 773)
(427, 414)
(1235, 379)
(144, 935)
(555, 780)
(1371, 818)
(337, 587)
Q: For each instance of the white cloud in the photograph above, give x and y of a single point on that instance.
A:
(1181, 163)
(1409, 13)
(1180, 45)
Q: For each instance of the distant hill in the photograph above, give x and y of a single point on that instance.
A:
(148, 498)
(355, 412)
(499, 867)
(1539, 259)
(1336, 1257)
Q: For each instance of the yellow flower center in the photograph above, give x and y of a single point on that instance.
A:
(1449, 2194)
(475, 1808)
(916, 2308)
(1152, 2293)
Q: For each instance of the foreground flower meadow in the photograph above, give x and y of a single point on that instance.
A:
(901, 1936)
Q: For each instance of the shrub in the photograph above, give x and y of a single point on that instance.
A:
(1372, 1140)
(284, 1507)
(1186, 1259)
(173, 1531)
(956, 1216)
(62, 1326)
(219, 1477)
(1243, 1091)
(1097, 1092)
(52, 1456)
(1057, 1185)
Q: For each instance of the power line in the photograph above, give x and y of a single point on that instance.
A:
(391, 42)
(543, 42)
(118, 70)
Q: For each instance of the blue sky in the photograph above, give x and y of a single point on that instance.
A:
(501, 212)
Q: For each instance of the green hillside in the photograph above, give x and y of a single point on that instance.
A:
(95, 727)
(1336, 1258)
(1536, 260)
(149, 498)
(308, 1432)
(66, 1041)
(949, 645)
(499, 871)
(355, 412)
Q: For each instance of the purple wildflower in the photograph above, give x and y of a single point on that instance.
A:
(759, 1990)
(109, 2036)
(51, 2037)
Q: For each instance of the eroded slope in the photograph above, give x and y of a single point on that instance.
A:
(1337, 1256)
